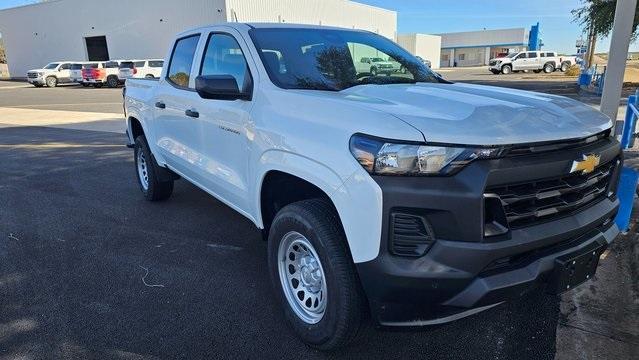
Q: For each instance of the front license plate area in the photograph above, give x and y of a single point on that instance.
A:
(573, 269)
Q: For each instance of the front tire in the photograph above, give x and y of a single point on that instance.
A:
(313, 274)
(51, 81)
(147, 170)
(506, 69)
(564, 67)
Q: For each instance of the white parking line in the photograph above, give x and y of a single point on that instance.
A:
(95, 121)
(73, 104)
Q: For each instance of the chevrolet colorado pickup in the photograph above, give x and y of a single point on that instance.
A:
(403, 196)
(537, 61)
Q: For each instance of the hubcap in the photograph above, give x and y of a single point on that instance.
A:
(143, 174)
(302, 277)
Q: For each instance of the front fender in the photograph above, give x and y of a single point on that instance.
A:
(358, 199)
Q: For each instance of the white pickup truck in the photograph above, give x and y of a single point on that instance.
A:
(536, 61)
(422, 200)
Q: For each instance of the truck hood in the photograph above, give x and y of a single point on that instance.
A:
(500, 59)
(36, 70)
(482, 115)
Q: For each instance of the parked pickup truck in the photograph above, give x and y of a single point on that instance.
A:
(51, 74)
(422, 200)
(536, 61)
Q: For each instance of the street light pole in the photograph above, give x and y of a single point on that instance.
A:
(619, 43)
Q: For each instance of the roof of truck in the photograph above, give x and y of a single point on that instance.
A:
(258, 25)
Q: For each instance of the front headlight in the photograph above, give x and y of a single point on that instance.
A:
(40, 73)
(381, 157)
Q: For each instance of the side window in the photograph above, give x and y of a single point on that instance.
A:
(223, 56)
(182, 61)
(139, 64)
(156, 64)
(65, 67)
(521, 56)
(532, 55)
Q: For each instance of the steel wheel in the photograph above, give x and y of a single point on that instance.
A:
(143, 173)
(302, 277)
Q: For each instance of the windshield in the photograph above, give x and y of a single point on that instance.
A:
(51, 66)
(512, 55)
(329, 59)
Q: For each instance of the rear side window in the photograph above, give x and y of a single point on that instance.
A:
(156, 64)
(532, 55)
(223, 56)
(182, 60)
(126, 65)
(139, 64)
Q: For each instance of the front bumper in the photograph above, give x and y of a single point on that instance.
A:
(463, 272)
(38, 80)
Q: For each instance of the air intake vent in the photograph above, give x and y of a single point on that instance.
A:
(410, 235)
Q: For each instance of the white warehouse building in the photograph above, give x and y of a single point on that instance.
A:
(476, 48)
(80, 30)
(428, 47)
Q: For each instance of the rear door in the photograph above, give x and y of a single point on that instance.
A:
(178, 131)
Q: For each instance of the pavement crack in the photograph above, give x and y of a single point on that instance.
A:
(144, 278)
(611, 337)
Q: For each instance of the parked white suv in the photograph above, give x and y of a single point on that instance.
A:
(536, 61)
(51, 75)
(420, 200)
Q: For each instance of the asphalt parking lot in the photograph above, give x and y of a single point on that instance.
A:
(89, 269)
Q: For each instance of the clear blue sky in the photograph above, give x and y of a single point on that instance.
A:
(558, 30)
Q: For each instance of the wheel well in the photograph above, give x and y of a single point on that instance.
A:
(551, 63)
(280, 189)
(136, 128)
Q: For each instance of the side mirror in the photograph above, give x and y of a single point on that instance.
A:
(220, 87)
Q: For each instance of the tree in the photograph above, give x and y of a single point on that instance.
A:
(598, 16)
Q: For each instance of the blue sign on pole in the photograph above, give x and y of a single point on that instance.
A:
(534, 38)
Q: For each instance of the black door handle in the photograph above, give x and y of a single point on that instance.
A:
(160, 105)
(192, 113)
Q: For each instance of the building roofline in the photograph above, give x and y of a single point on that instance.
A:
(477, 31)
(29, 5)
(482, 46)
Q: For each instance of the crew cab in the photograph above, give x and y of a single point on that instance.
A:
(51, 74)
(404, 196)
(107, 72)
(536, 61)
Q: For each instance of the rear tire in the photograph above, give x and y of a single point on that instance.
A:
(307, 243)
(51, 81)
(112, 81)
(149, 76)
(147, 170)
(506, 69)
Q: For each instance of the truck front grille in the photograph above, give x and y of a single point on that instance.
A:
(32, 75)
(541, 200)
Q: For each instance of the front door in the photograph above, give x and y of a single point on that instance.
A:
(226, 123)
(519, 62)
(64, 73)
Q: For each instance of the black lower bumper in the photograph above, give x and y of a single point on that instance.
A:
(463, 272)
